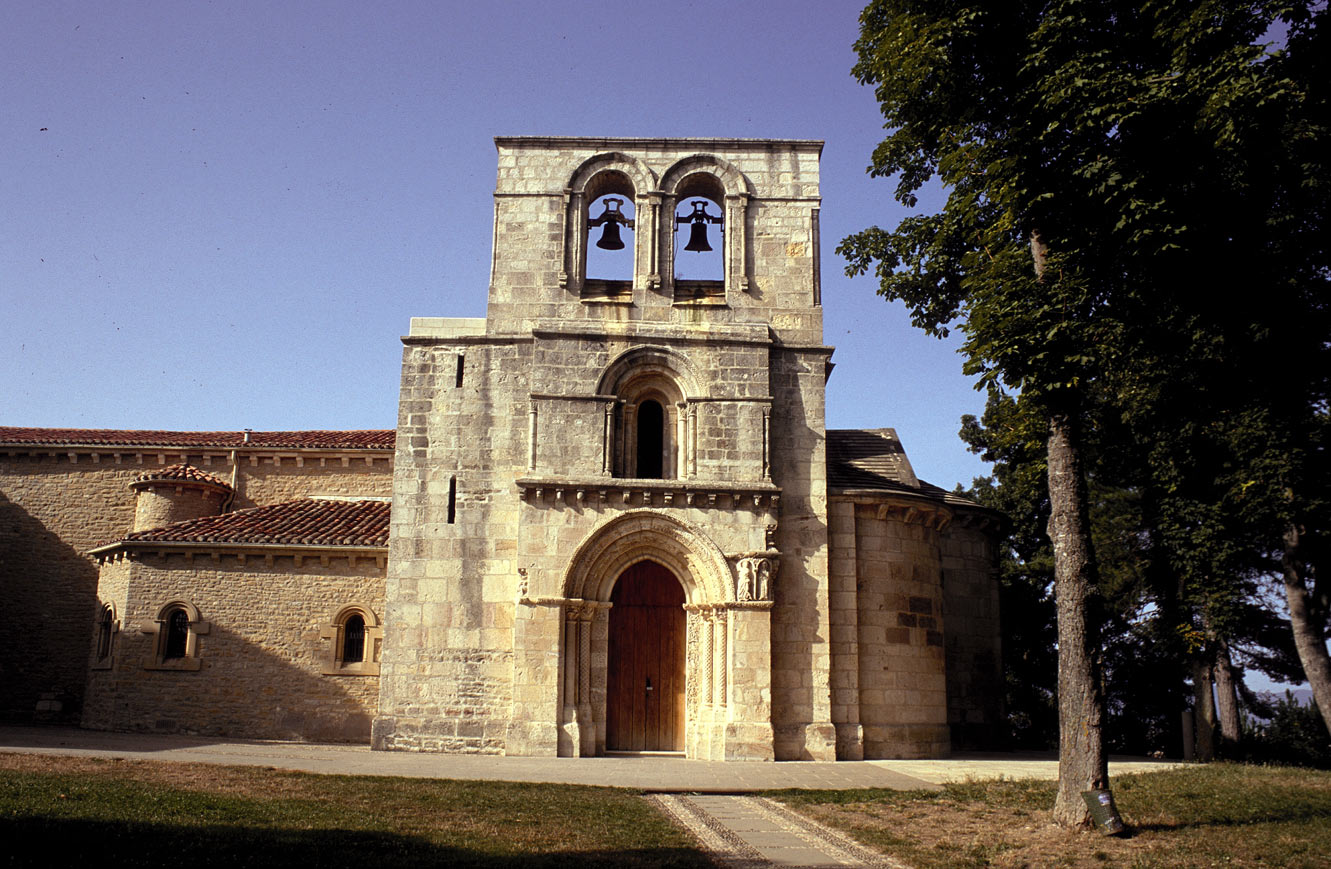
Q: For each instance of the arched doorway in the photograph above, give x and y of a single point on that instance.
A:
(645, 679)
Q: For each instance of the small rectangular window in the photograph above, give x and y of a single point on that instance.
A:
(452, 499)
(459, 374)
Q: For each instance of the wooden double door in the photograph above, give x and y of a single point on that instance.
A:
(645, 690)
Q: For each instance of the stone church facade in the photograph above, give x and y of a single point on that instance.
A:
(617, 520)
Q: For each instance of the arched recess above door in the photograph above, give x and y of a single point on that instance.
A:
(641, 535)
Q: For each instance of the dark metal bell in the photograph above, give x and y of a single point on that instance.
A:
(610, 239)
(698, 237)
(698, 220)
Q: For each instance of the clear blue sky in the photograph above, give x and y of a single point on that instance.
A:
(222, 215)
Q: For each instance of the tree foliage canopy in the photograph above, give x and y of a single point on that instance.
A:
(1134, 238)
(1145, 144)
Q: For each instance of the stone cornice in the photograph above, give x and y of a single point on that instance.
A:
(912, 509)
(241, 551)
(734, 333)
(165, 455)
(605, 143)
(466, 340)
(664, 493)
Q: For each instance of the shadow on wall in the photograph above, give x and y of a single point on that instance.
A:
(801, 537)
(240, 689)
(50, 593)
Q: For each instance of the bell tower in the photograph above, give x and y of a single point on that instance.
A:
(629, 445)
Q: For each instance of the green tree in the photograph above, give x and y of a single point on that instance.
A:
(1090, 152)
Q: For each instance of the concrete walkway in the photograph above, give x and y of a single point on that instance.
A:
(711, 799)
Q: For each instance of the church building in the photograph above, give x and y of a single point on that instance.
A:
(617, 521)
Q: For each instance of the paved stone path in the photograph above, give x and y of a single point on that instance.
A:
(711, 799)
(746, 832)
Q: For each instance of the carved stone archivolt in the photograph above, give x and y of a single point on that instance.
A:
(641, 535)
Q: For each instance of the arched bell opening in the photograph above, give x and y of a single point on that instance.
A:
(699, 238)
(611, 241)
(645, 680)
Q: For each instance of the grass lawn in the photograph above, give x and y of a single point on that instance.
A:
(117, 812)
(1216, 815)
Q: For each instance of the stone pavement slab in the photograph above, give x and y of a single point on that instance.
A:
(653, 774)
(711, 799)
(748, 831)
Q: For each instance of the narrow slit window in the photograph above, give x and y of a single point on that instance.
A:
(458, 382)
(452, 499)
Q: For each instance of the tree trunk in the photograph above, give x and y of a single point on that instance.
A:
(1307, 616)
(1082, 763)
(1227, 698)
(1203, 708)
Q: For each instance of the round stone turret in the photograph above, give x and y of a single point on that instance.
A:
(175, 494)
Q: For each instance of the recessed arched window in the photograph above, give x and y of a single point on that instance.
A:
(651, 421)
(176, 644)
(353, 640)
(178, 627)
(106, 631)
(648, 435)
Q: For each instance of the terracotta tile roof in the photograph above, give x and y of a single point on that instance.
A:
(305, 522)
(184, 471)
(367, 439)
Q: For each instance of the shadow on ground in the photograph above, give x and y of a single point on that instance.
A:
(116, 844)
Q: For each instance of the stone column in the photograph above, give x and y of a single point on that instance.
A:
(722, 621)
(767, 444)
(693, 440)
(681, 450)
(608, 440)
(649, 229)
(667, 242)
(531, 438)
(586, 727)
(570, 737)
(736, 249)
(575, 239)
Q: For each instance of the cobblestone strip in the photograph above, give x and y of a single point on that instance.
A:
(721, 843)
(834, 842)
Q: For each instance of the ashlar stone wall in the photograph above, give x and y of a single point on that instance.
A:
(259, 662)
(973, 639)
(447, 670)
(511, 468)
(891, 687)
(56, 504)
